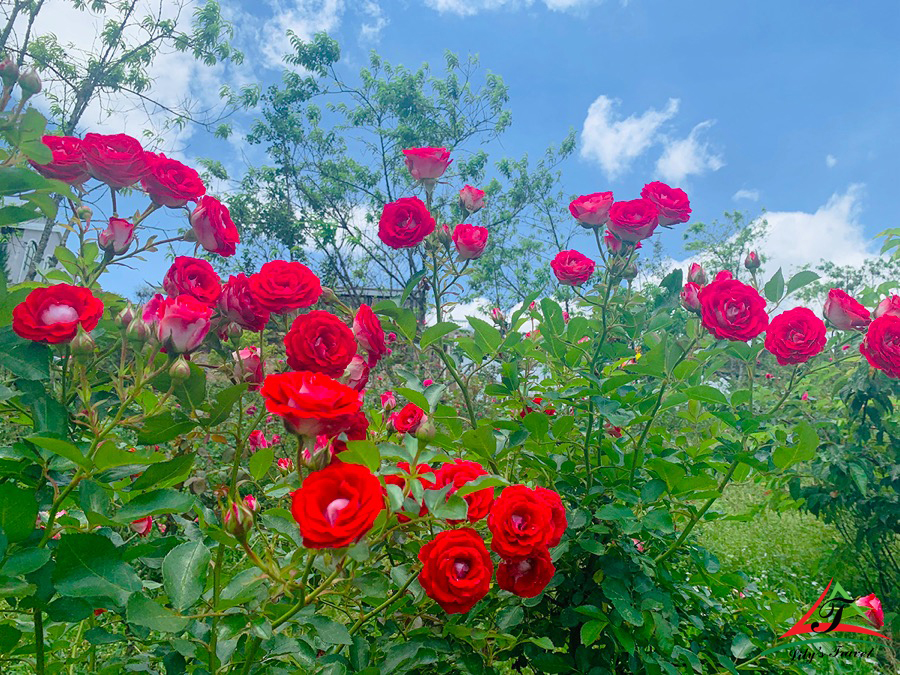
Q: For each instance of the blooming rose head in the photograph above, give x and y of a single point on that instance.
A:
(890, 305)
(752, 262)
(874, 612)
(117, 160)
(194, 277)
(459, 472)
(117, 236)
(520, 522)
(182, 323)
(311, 403)
(881, 345)
(408, 419)
(336, 506)
(633, 220)
(724, 275)
(369, 333)
(689, 297)
(171, 183)
(257, 440)
(672, 204)
(572, 268)
(557, 514)
(528, 576)
(591, 210)
(795, 336)
(471, 199)
(731, 310)
(844, 312)
(55, 313)
(696, 275)
(456, 569)
(249, 367)
(213, 227)
(357, 373)
(238, 304)
(68, 163)
(427, 164)
(405, 223)
(470, 240)
(281, 286)
(320, 342)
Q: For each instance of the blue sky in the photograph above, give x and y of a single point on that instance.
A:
(787, 106)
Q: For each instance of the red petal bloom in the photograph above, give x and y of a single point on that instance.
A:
(405, 223)
(194, 277)
(881, 346)
(53, 314)
(459, 472)
(171, 183)
(795, 336)
(320, 342)
(731, 310)
(457, 570)
(117, 159)
(520, 522)
(68, 163)
(311, 403)
(281, 286)
(526, 577)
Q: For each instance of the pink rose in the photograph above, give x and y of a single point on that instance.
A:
(427, 164)
(671, 203)
(890, 305)
(213, 227)
(470, 240)
(572, 268)
(257, 440)
(633, 220)
(471, 199)
(117, 236)
(845, 313)
(875, 613)
(591, 210)
(249, 367)
(388, 400)
(183, 322)
(142, 526)
(689, 297)
(357, 373)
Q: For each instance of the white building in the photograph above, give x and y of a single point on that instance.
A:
(22, 244)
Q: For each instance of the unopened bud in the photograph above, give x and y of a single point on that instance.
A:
(126, 316)
(138, 330)
(84, 212)
(30, 82)
(315, 453)
(697, 275)
(426, 430)
(285, 465)
(497, 315)
(234, 331)
(239, 517)
(751, 262)
(328, 296)
(83, 344)
(9, 72)
(189, 236)
(630, 272)
(180, 369)
(444, 236)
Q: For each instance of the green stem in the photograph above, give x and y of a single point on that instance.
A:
(384, 605)
(470, 409)
(787, 391)
(643, 437)
(39, 642)
(217, 584)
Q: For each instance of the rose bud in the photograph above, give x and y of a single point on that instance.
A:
(630, 272)
(142, 526)
(426, 431)
(138, 330)
(9, 72)
(613, 244)
(180, 369)
(697, 275)
(591, 210)
(249, 367)
(357, 373)
(388, 400)
(285, 465)
(257, 440)
(497, 316)
(83, 344)
(213, 227)
(689, 299)
(844, 312)
(427, 164)
(126, 316)
(874, 613)
(444, 235)
(470, 240)
(30, 82)
(85, 213)
(117, 236)
(889, 305)
(471, 199)
(320, 455)
(239, 517)
(751, 262)
(183, 323)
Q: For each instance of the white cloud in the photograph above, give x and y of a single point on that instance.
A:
(304, 17)
(688, 156)
(370, 31)
(479, 307)
(473, 7)
(615, 143)
(749, 195)
(830, 161)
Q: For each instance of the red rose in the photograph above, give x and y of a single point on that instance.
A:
(401, 480)
(881, 345)
(633, 220)
(557, 512)
(281, 286)
(336, 506)
(460, 472)
(117, 160)
(68, 163)
(356, 430)
(752, 261)
(171, 183)
(320, 342)
(311, 403)
(591, 210)
(53, 314)
(874, 611)
(405, 223)
(193, 276)
(795, 336)
(572, 268)
(369, 333)
(469, 240)
(182, 323)
(117, 236)
(213, 227)
(697, 275)
(427, 163)
(457, 570)
(526, 577)
(672, 204)
(520, 523)
(845, 313)
(731, 310)
(471, 199)
(408, 419)
(238, 304)
(690, 297)
(724, 275)
(890, 305)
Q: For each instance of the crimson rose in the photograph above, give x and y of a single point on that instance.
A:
(890, 305)
(520, 522)
(408, 419)
(320, 342)
(281, 286)
(795, 336)
(213, 227)
(470, 240)
(195, 277)
(53, 314)
(459, 472)
(731, 310)
(405, 223)
(457, 569)
(526, 577)
(672, 204)
(401, 480)
(238, 304)
(368, 331)
(171, 183)
(591, 210)
(881, 345)
(633, 220)
(311, 403)
(844, 312)
(572, 268)
(117, 159)
(336, 506)
(68, 163)
(557, 513)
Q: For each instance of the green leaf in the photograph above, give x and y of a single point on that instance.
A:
(806, 442)
(800, 280)
(260, 462)
(436, 332)
(413, 396)
(89, 565)
(9, 637)
(18, 512)
(362, 452)
(488, 333)
(24, 562)
(859, 477)
(154, 503)
(706, 393)
(184, 573)
(774, 288)
(659, 520)
(24, 358)
(329, 630)
(95, 503)
(165, 474)
(142, 611)
(411, 285)
(741, 646)
(225, 401)
(61, 448)
(163, 428)
(592, 630)
(615, 512)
